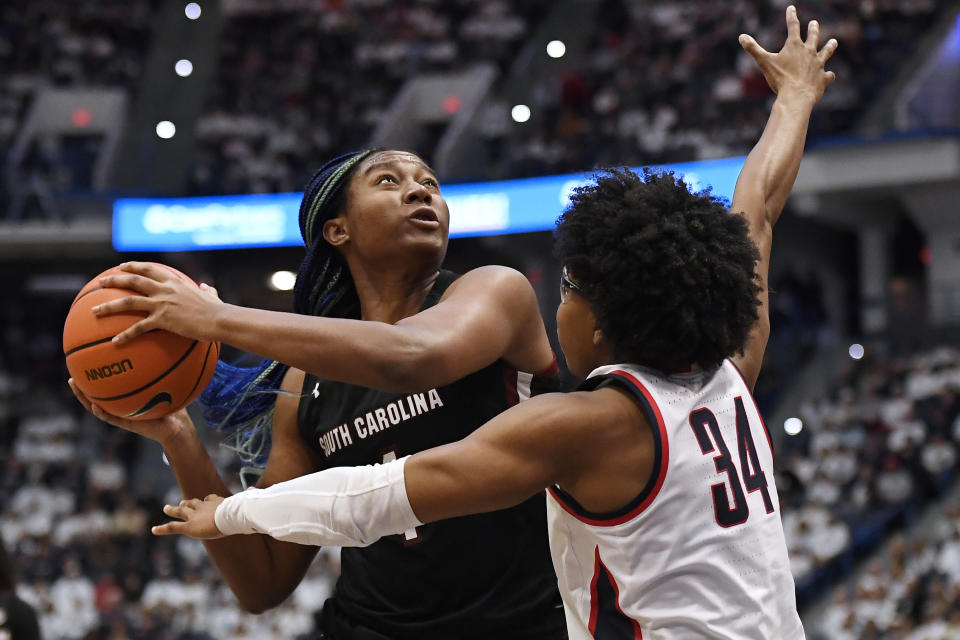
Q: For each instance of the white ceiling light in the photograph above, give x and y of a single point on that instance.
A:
(166, 129)
(283, 280)
(183, 68)
(556, 48)
(520, 113)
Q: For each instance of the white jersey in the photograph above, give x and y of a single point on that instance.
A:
(700, 553)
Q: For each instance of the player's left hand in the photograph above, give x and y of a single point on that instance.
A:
(170, 302)
(798, 67)
(195, 519)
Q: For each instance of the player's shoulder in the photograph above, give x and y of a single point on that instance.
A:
(602, 417)
(606, 444)
(489, 280)
(498, 289)
(617, 410)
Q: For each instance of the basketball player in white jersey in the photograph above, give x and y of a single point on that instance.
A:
(663, 514)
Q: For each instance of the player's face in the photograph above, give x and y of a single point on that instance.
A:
(395, 205)
(577, 328)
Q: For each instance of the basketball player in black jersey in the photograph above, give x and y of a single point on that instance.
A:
(400, 356)
(18, 620)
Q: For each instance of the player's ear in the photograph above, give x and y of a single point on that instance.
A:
(336, 231)
(597, 337)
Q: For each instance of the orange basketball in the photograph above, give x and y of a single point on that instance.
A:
(149, 377)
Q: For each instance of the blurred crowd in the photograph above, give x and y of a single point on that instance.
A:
(51, 43)
(301, 81)
(909, 592)
(869, 456)
(660, 82)
(77, 499)
(667, 81)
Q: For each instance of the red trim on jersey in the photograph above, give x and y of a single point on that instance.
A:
(754, 400)
(550, 371)
(511, 380)
(595, 600)
(510, 384)
(664, 458)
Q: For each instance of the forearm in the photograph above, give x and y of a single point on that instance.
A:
(245, 562)
(772, 165)
(505, 462)
(344, 506)
(369, 354)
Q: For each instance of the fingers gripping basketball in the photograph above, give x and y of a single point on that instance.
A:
(149, 377)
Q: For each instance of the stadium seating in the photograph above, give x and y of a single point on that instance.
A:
(910, 590)
(300, 81)
(77, 500)
(869, 458)
(297, 86)
(668, 81)
(47, 43)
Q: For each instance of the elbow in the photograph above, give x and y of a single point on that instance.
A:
(772, 208)
(407, 377)
(763, 330)
(251, 606)
(258, 597)
(758, 337)
(257, 603)
(412, 365)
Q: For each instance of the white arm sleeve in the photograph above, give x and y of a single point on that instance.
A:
(343, 506)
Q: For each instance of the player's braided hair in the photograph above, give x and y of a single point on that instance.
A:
(324, 286)
(239, 400)
(669, 273)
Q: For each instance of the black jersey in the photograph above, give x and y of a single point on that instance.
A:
(18, 621)
(481, 576)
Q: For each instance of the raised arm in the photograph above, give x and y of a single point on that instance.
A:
(488, 314)
(261, 571)
(796, 74)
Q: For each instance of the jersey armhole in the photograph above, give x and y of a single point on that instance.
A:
(645, 498)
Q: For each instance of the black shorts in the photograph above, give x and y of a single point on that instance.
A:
(336, 625)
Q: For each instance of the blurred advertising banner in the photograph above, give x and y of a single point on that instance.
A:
(476, 209)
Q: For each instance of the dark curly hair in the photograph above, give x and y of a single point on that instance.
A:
(669, 273)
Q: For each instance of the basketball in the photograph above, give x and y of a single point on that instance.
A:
(149, 377)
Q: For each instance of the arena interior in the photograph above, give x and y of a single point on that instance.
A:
(132, 99)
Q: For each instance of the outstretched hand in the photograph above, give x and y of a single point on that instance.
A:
(196, 519)
(170, 302)
(799, 65)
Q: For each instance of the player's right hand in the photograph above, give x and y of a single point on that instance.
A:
(169, 302)
(197, 519)
(799, 65)
(162, 430)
